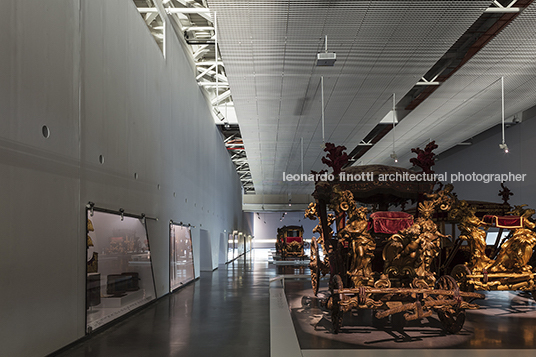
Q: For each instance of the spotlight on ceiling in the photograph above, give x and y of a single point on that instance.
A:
(504, 147)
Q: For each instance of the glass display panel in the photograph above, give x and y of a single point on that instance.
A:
(235, 245)
(181, 256)
(241, 244)
(119, 269)
(248, 243)
(230, 248)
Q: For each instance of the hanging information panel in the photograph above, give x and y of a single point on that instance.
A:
(181, 256)
(119, 269)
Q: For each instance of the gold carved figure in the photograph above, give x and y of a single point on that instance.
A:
(517, 250)
(362, 247)
(412, 251)
(318, 268)
(470, 228)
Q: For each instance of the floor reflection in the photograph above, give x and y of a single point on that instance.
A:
(224, 313)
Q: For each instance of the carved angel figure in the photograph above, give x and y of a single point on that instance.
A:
(362, 247)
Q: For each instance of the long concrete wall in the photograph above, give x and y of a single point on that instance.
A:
(91, 72)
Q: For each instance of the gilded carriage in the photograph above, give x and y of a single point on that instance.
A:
(385, 261)
(392, 262)
(290, 242)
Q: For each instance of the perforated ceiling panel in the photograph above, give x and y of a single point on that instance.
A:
(269, 49)
(470, 101)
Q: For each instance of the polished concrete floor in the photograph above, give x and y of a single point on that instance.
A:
(244, 309)
(224, 313)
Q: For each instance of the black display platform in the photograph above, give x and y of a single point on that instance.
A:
(506, 320)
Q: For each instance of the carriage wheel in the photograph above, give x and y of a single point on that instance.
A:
(452, 317)
(459, 273)
(315, 266)
(336, 313)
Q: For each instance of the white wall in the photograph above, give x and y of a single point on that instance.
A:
(484, 156)
(93, 74)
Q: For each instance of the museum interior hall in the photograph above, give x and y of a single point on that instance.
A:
(268, 178)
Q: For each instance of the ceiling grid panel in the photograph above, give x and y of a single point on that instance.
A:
(469, 102)
(269, 49)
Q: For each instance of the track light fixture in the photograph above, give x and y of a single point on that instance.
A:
(504, 147)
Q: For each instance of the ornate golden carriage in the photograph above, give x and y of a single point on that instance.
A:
(290, 243)
(390, 261)
(384, 262)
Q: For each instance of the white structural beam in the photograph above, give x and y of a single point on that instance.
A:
(425, 82)
(175, 10)
(209, 63)
(221, 97)
(220, 76)
(213, 84)
(205, 14)
(149, 17)
(204, 72)
(503, 9)
(199, 52)
(199, 28)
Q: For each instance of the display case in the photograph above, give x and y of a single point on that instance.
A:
(241, 244)
(181, 259)
(237, 244)
(230, 247)
(119, 275)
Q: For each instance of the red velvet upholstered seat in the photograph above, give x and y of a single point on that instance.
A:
(390, 222)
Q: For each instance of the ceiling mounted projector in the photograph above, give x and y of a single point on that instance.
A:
(326, 59)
